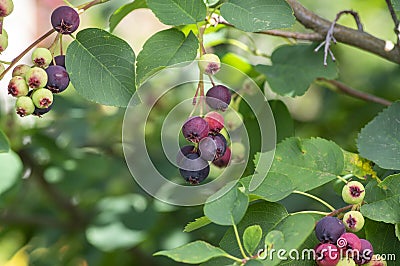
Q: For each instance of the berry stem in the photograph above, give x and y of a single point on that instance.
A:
(336, 212)
(311, 212)
(233, 258)
(5, 62)
(344, 178)
(316, 198)
(1, 25)
(238, 239)
(88, 5)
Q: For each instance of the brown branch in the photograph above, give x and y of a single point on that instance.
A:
(394, 18)
(313, 36)
(355, 93)
(338, 211)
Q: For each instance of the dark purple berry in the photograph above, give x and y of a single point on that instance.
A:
(183, 152)
(60, 61)
(329, 229)
(327, 254)
(224, 160)
(221, 144)
(65, 20)
(57, 78)
(195, 128)
(365, 254)
(194, 170)
(41, 111)
(208, 148)
(218, 97)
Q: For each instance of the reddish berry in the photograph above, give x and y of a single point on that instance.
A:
(327, 254)
(6, 7)
(224, 160)
(215, 122)
(350, 243)
(366, 253)
(17, 87)
(195, 128)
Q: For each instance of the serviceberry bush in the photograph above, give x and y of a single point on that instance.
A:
(332, 85)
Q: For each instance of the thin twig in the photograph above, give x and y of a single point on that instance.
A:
(395, 20)
(336, 212)
(355, 93)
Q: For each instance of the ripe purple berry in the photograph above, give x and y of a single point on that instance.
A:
(218, 97)
(24, 106)
(195, 169)
(3, 39)
(366, 253)
(41, 111)
(353, 192)
(215, 122)
(42, 98)
(41, 57)
(224, 160)
(208, 148)
(65, 20)
(350, 243)
(221, 144)
(20, 70)
(57, 79)
(327, 254)
(17, 87)
(329, 229)
(36, 77)
(354, 221)
(195, 128)
(209, 64)
(59, 60)
(6, 7)
(183, 152)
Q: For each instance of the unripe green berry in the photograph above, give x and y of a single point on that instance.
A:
(24, 106)
(42, 57)
(354, 221)
(346, 262)
(233, 120)
(17, 87)
(42, 98)
(209, 64)
(3, 40)
(6, 7)
(238, 151)
(20, 70)
(353, 192)
(36, 77)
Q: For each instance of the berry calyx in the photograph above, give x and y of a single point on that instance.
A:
(195, 169)
(17, 87)
(366, 253)
(36, 77)
(350, 243)
(65, 20)
(354, 221)
(327, 254)
(329, 229)
(209, 64)
(218, 97)
(6, 7)
(195, 128)
(57, 78)
(3, 40)
(41, 57)
(24, 106)
(215, 122)
(42, 98)
(20, 70)
(353, 192)
(224, 160)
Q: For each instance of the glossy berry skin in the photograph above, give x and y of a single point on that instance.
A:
(65, 20)
(41, 111)
(221, 144)
(41, 57)
(42, 98)
(218, 97)
(327, 254)
(60, 61)
(191, 173)
(353, 192)
(376, 261)
(57, 78)
(17, 87)
(6, 7)
(215, 122)
(3, 41)
(36, 77)
(24, 106)
(329, 229)
(224, 160)
(350, 243)
(195, 128)
(183, 152)
(346, 262)
(354, 221)
(209, 64)
(208, 148)
(366, 253)
(20, 70)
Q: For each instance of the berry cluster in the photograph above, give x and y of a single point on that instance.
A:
(339, 246)
(34, 86)
(209, 145)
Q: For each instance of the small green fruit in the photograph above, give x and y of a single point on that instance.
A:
(233, 120)
(238, 151)
(36, 77)
(209, 64)
(353, 192)
(3, 40)
(6, 7)
(24, 106)
(346, 262)
(20, 70)
(17, 87)
(354, 221)
(42, 98)
(42, 57)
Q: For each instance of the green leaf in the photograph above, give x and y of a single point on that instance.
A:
(396, 5)
(274, 239)
(397, 229)
(382, 237)
(172, 47)
(198, 223)
(385, 208)
(232, 205)
(251, 238)
(258, 15)
(283, 120)
(123, 11)
(102, 67)
(4, 144)
(299, 65)
(309, 163)
(10, 169)
(358, 166)
(178, 12)
(379, 140)
(193, 253)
